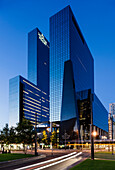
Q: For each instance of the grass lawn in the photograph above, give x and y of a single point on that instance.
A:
(13, 156)
(105, 155)
(96, 164)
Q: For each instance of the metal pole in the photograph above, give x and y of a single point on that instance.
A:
(92, 139)
(112, 134)
(51, 147)
(65, 139)
(92, 144)
(36, 135)
(76, 140)
(82, 136)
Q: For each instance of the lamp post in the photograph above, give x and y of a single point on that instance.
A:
(93, 134)
(65, 136)
(92, 139)
(112, 134)
(92, 144)
(51, 144)
(36, 153)
(82, 136)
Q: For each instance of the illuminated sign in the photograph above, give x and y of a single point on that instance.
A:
(41, 37)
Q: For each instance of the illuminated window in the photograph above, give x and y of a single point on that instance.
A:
(31, 101)
(31, 105)
(31, 85)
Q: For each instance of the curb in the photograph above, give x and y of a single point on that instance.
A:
(104, 159)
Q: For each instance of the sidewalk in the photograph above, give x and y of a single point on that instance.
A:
(104, 159)
(5, 164)
(43, 154)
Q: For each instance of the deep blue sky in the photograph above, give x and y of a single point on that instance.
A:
(96, 20)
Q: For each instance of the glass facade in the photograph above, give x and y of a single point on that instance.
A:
(14, 101)
(67, 81)
(38, 60)
(27, 101)
(84, 110)
(32, 56)
(100, 114)
(82, 60)
(67, 43)
(68, 96)
(59, 53)
(30, 99)
(71, 77)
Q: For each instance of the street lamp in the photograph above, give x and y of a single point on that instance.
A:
(112, 134)
(93, 134)
(36, 153)
(65, 136)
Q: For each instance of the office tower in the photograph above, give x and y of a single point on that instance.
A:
(112, 110)
(112, 120)
(30, 98)
(72, 76)
(110, 124)
(27, 101)
(67, 43)
(38, 59)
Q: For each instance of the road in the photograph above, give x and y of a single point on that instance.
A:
(62, 162)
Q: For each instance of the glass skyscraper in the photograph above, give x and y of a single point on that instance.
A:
(67, 43)
(68, 74)
(72, 76)
(38, 59)
(30, 99)
(27, 101)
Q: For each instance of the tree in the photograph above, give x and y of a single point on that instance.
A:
(12, 136)
(53, 137)
(1, 138)
(7, 135)
(45, 138)
(25, 133)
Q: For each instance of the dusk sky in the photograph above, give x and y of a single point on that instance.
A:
(97, 23)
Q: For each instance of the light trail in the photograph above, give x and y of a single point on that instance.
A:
(47, 166)
(44, 162)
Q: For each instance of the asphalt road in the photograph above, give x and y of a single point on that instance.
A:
(57, 162)
(65, 165)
